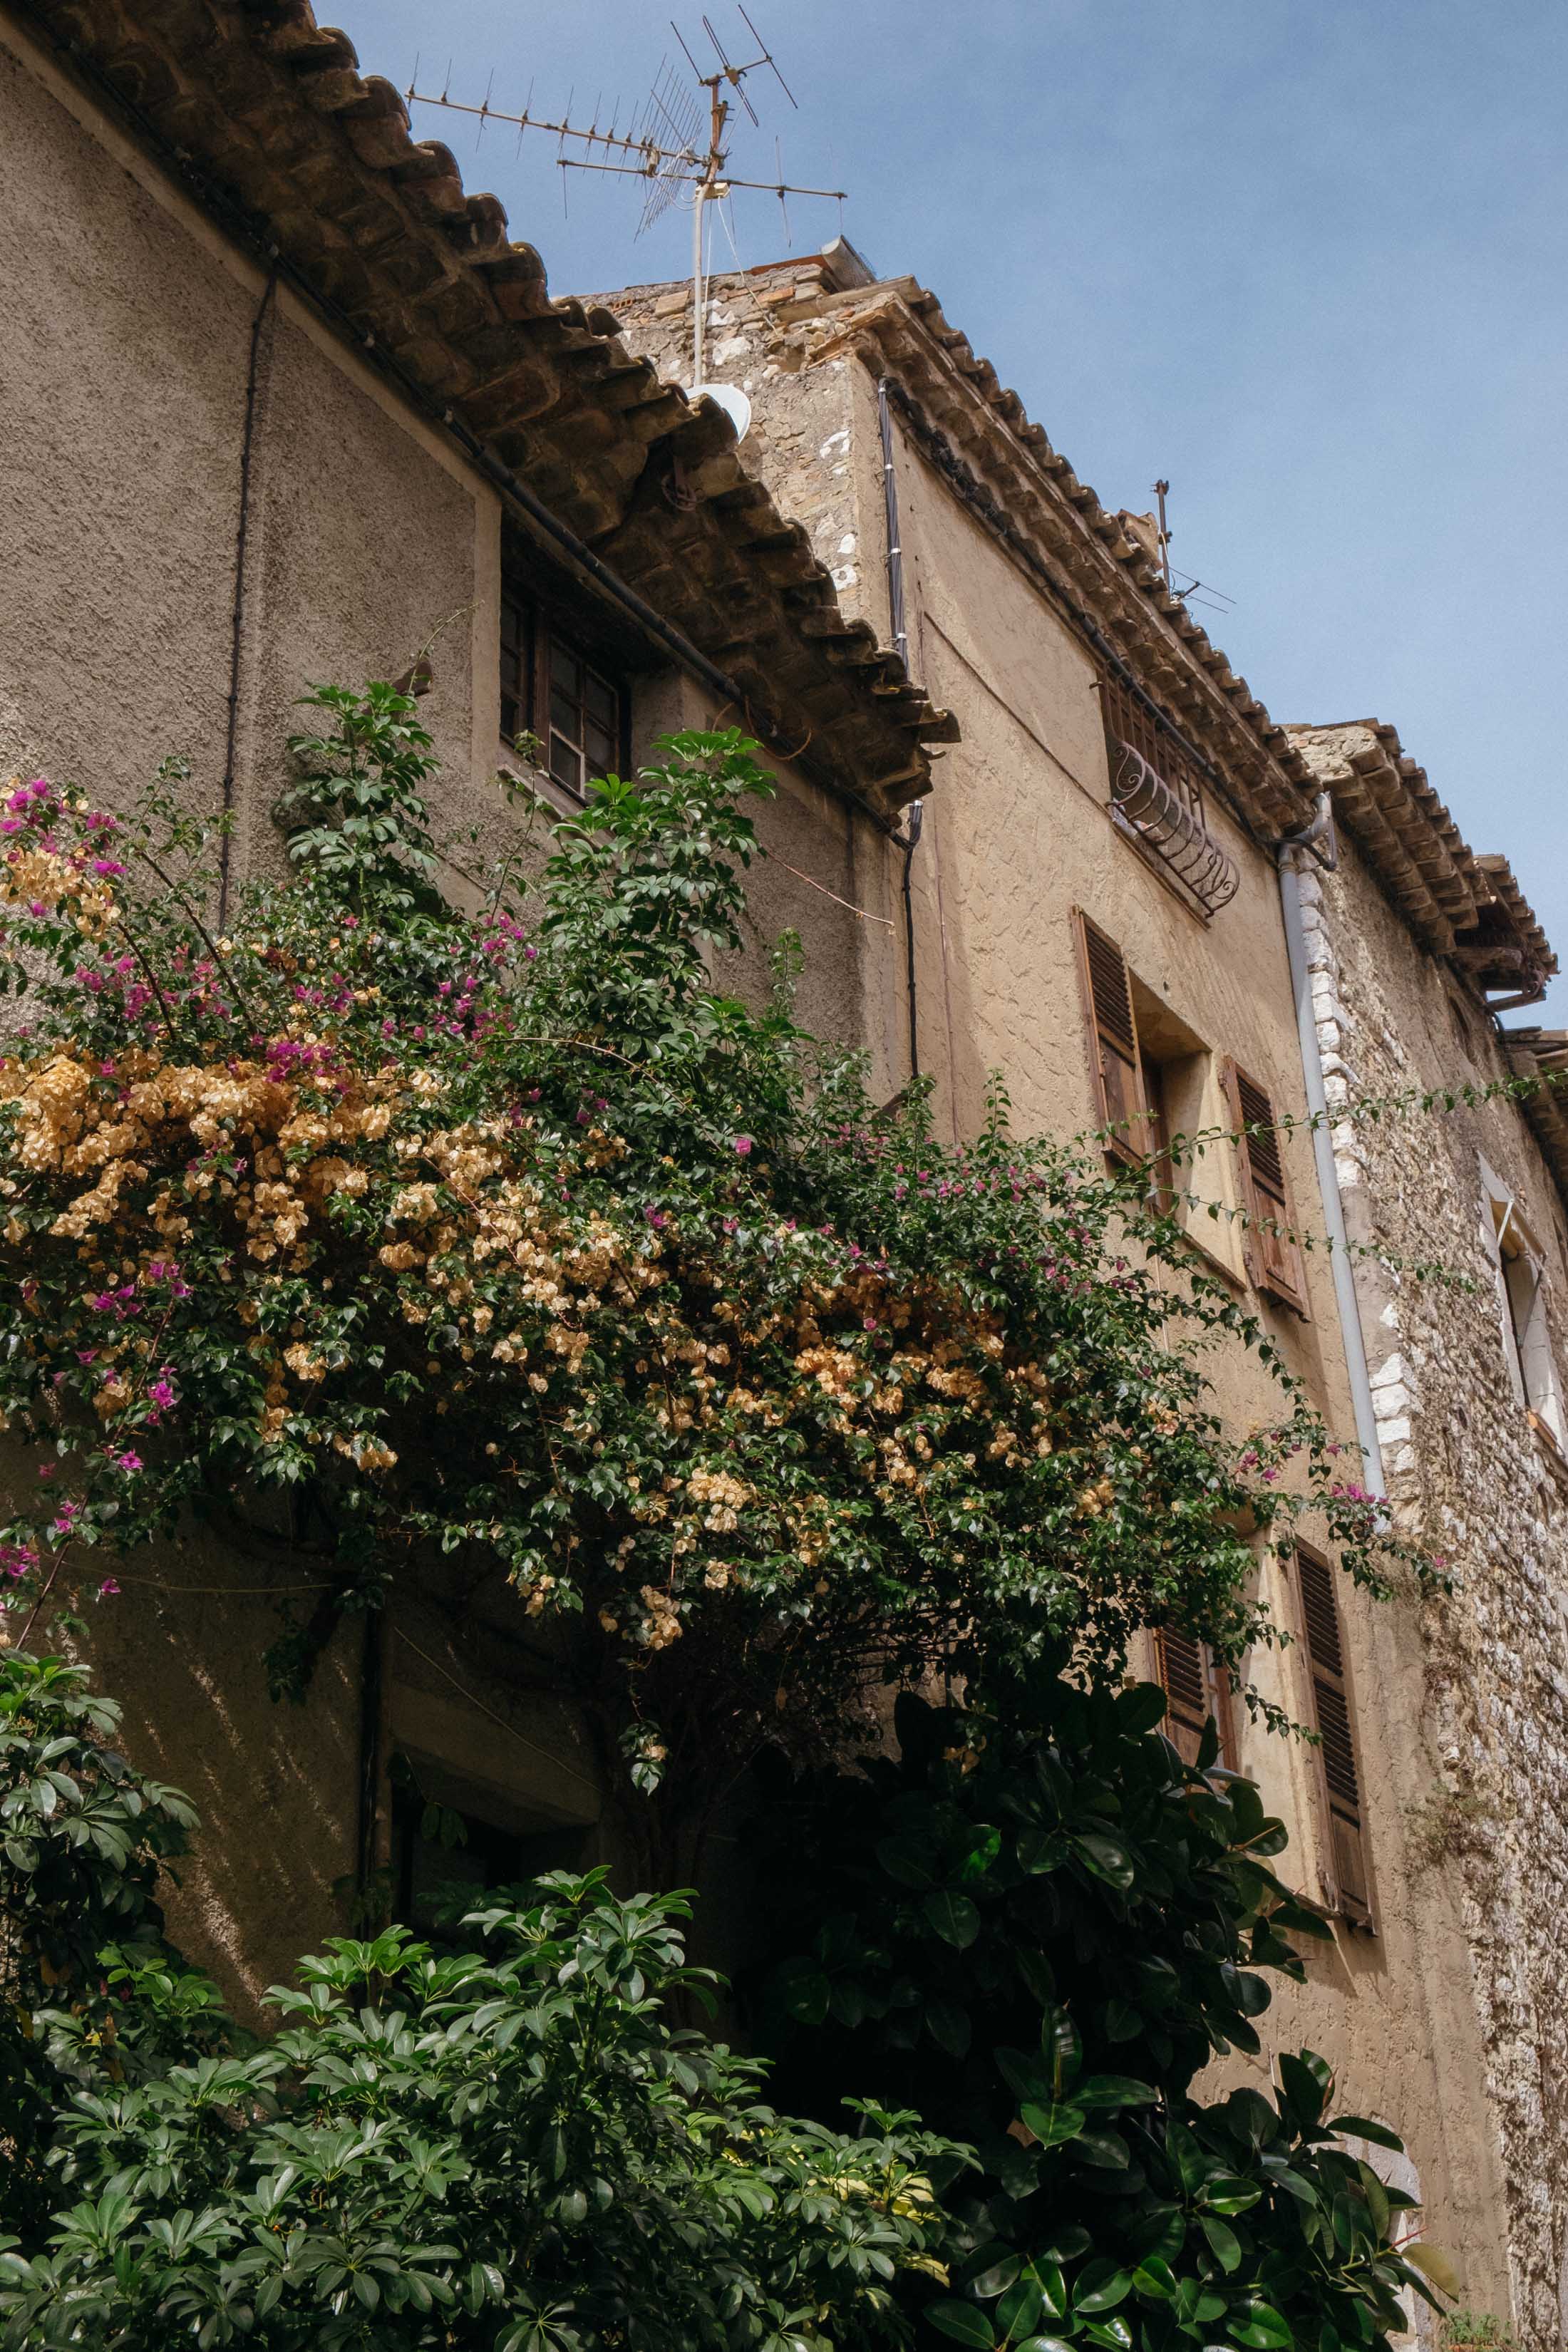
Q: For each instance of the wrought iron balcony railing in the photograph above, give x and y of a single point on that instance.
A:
(1174, 832)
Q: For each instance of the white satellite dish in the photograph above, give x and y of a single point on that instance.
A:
(731, 399)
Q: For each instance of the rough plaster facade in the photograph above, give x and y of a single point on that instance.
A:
(123, 397)
(123, 380)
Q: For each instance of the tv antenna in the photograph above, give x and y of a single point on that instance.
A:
(1197, 592)
(663, 144)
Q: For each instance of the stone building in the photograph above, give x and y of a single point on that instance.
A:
(296, 407)
(1111, 765)
(1406, 940)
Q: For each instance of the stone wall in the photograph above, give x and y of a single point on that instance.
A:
(1465, 1467)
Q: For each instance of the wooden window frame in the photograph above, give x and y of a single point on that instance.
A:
(530, 641)
(1347, 1878)
(1197, 1688)
(1116, 1060)
(1272, 1252)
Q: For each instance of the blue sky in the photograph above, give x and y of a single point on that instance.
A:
(1306, 257)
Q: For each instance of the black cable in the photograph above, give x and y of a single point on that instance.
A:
(911, 836)
(240, 544)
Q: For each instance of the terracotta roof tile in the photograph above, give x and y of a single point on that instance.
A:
(271, 112)
(1467, 908)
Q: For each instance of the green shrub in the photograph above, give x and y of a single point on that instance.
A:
(512, 2150)
(1044, 1926)
(83, 1837)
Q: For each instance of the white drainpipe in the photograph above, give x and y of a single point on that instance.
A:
(1286, 853)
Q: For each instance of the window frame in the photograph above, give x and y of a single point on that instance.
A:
(1275, 1265)
(1320, 1626)
(1133, 1088)
(527, 660)
(1185, 1661)
(1527, 1348)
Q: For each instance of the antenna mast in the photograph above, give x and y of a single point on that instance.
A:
(662, 145)
(1159, 490)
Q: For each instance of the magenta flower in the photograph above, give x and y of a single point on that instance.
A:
(743, 1147)
(128, 1462)
(108, 1590)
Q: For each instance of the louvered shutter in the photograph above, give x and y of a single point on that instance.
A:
(1113, 1040)
(1197, 1688)
(1273, 1258)
(1350, 1888)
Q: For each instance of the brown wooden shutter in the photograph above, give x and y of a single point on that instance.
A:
(1113, 1039)
(1350, 1888)
(1197, 1688)
(1273, 1257)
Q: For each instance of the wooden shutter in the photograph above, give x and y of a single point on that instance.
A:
(1197, 1688)
(1112, 1039)
(1350, 1885)
(1273, 1257)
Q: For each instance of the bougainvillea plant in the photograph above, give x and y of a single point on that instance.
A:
(513, 1244)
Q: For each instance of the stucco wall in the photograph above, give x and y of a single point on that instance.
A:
(123, 373)
(1487, 1763)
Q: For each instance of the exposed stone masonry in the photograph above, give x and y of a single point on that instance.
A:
(1465, 1468)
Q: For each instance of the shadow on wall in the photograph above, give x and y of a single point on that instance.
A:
(181, 1649)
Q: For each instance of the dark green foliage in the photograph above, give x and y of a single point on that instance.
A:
(511, 2151)
(1045, 1925)
(82, 1840)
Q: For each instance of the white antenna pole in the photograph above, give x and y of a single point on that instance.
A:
(700, 198)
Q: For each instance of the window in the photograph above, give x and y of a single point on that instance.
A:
(1273, 1255)
(1520, 1267)
(1116, 1063)
(1346, 1873)
(436, 1876)
(551, 688)
(1154, 1079)
(1197, 1687)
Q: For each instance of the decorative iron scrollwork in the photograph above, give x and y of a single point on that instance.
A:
(1174, 832)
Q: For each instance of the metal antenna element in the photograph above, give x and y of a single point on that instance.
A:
(663, 144)
(1159, 490)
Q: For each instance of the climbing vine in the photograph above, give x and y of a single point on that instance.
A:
(506, 1237)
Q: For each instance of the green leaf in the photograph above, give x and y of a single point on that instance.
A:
(1020, 2308)
(1434, 2263)
(1154, 2277)
(1114, 2091)
(1229, 2194)
(908, 1861)
(954, 1918)
(998, 2276)
(949, 2025)
(1101, 2286)
(963, 2322)
(1054, 2125)
(1261, 2326)
(1108, 1859)
(1225, 2243)
(1363, 2128)
(1141, 1708)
